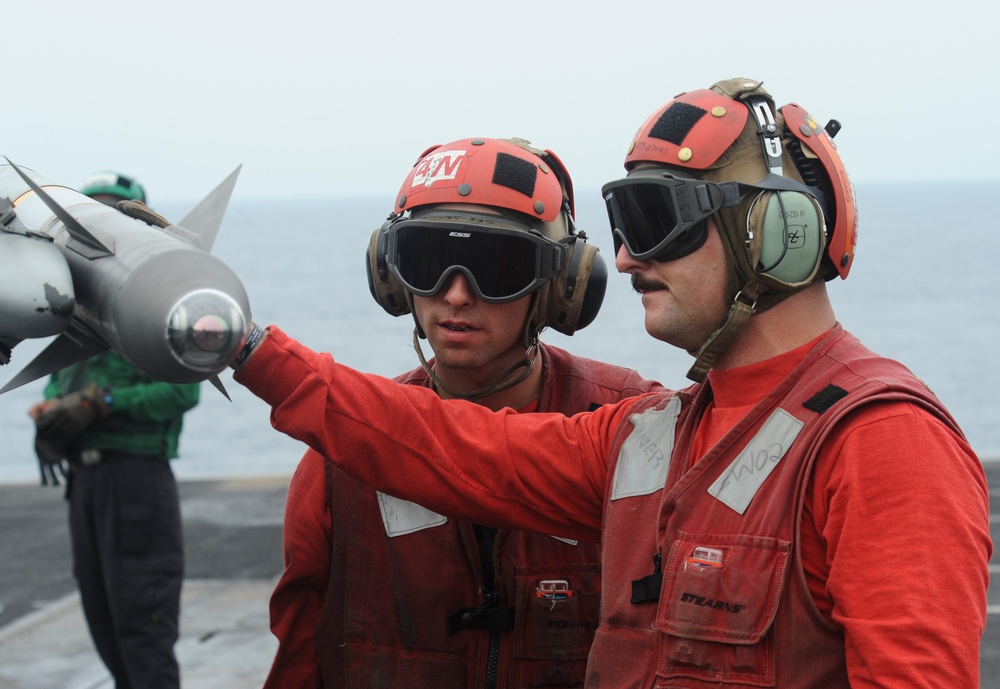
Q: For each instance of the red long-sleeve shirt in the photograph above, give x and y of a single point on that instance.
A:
(896, 552)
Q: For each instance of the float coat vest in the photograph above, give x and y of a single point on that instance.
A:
(703, 579)
(398, 613)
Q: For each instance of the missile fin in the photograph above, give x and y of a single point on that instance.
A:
(64, 351)
(205, 219)
(92, 246)
(7, 344)
(214, 380)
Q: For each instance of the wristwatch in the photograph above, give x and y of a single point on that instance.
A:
(253, 339)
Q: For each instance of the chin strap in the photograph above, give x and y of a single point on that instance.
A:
(504, 382)
(743, 307)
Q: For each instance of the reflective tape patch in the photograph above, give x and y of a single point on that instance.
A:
(741, 480)
(645, 455)
(402, 517)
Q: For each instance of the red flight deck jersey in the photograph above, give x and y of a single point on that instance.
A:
(380, 592)
(835, 529)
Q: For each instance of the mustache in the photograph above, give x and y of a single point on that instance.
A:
(640, 283)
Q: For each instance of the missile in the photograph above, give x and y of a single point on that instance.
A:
(43, 305)
(100, 279)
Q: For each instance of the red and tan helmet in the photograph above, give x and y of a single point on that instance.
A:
(503, 173)
(772, 181)
(707, 133)
(532, 191)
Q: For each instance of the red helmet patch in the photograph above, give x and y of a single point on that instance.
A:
(693, 131)
(488, 172)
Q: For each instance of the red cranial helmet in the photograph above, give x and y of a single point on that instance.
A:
(502, 173)
(771, 179)
(707, 133)
(503, 187)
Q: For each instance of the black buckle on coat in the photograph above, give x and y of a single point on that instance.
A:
(647, 589)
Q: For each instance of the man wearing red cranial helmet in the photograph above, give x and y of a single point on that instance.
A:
(379, 591)
(806, 515)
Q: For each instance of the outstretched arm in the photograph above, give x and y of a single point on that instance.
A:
(540, 472)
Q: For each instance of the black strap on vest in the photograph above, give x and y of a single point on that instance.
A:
(647, 589)
(488, 615)
(825, 398)
(481, 617)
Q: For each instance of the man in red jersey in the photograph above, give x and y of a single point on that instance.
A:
(381, 592)
(806, 515)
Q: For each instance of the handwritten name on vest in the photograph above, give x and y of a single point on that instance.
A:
(739, 483)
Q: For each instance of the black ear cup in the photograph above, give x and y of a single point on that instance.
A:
(572, 299)
(594, 290)
(787, 237)
(385, 288)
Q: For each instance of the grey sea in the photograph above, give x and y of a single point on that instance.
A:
(918, 292)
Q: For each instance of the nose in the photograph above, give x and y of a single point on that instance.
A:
(458, 291)
(625, 263)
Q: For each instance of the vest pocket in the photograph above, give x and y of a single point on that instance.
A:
(718, 605)
(557, 611)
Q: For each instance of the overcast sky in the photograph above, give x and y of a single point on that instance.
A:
(340, 96)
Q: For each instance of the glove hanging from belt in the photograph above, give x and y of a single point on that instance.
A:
(74, 413)
(53, 458)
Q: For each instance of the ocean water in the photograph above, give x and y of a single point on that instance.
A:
(920, 291)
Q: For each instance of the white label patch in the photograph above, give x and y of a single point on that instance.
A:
(438, 166)
(645, 455)
(402, 517)
(741, 480)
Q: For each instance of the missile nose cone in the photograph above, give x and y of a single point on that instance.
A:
(205, 329)
(210, 333)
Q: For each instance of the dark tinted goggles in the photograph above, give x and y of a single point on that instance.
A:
(662, 217)
(501, 264)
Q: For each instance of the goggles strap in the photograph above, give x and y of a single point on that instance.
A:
(504, 382)
(719, 341)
